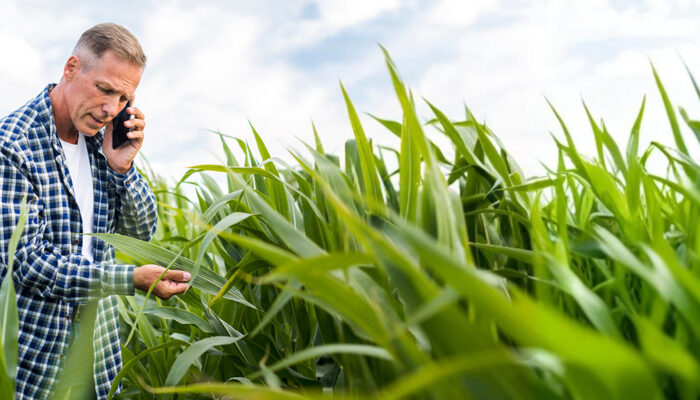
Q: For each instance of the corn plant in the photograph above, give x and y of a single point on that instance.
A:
(9, 320)
(424, 272)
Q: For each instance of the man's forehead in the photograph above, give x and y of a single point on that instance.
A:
(116, 72)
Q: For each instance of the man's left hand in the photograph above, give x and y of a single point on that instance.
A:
(121, 158)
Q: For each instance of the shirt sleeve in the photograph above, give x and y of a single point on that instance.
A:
(136, 210)
(40, 266)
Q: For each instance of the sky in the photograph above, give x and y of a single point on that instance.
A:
(277, 65)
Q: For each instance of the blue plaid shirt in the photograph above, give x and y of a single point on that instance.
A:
(51, 275)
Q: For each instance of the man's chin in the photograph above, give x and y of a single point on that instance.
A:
(90, 129)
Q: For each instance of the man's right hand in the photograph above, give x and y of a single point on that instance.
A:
(173, 282)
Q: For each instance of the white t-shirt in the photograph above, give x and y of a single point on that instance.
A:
(80, 172)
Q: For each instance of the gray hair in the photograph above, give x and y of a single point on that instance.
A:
(109, 36)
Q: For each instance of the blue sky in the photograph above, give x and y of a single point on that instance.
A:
(219, 64)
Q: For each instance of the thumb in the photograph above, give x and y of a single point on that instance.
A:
(107, 135)
(177, 276)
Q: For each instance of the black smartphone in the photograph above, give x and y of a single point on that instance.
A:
(119, 131)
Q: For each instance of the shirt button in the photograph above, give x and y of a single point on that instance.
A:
(76, 241)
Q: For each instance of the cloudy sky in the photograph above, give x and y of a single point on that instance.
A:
(215, 65)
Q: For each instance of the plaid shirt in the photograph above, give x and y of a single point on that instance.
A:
(51, 275)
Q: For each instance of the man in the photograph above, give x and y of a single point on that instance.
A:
(56, 151)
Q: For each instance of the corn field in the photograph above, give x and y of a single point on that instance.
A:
(421, 272)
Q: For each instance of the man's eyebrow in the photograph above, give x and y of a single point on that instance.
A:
(104, 83)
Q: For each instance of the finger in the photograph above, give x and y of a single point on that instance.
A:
(135, 124)
(166, 289)
(177, 287)
(107, 139)
(135, 135)
(135, 111)
(177, 276)
(164, 295)
(108, 130)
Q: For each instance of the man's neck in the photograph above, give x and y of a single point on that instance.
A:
(64, 125)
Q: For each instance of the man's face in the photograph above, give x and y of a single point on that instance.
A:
(97, 92)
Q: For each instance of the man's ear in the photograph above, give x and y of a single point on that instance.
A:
(72, 67)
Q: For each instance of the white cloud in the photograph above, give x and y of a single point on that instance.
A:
(21, 63)
(459, 13)
(342, 14)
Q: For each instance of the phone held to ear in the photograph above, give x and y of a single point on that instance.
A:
(119, 131)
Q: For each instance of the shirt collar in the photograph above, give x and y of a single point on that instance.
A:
(46, 115)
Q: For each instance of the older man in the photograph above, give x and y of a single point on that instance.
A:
(56, 151)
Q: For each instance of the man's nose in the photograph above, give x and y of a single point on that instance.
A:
(111, 107)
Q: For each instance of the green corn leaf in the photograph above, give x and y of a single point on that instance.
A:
(393, 126)
(673, 121)
(317, 140)
(238, 391)
(624, 374)
(266, 251)
(607, 191)
(692, 79)
(523, 255)
(570, 149)
(185, 360)
(694, 125)
(413, 147)
(455, 136)
(318, 351)
(534, 184)
(275, 188)
(492, 153)
(281, 301)
(227, 222)
(181, 316)
(9, 321)
(667, 353)
(632, 179)
(657, 275)
(316, 265)
(369, 179)
(425, 379)
(131, 364)
(289, 234)
(224, 168)
(219, 204)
